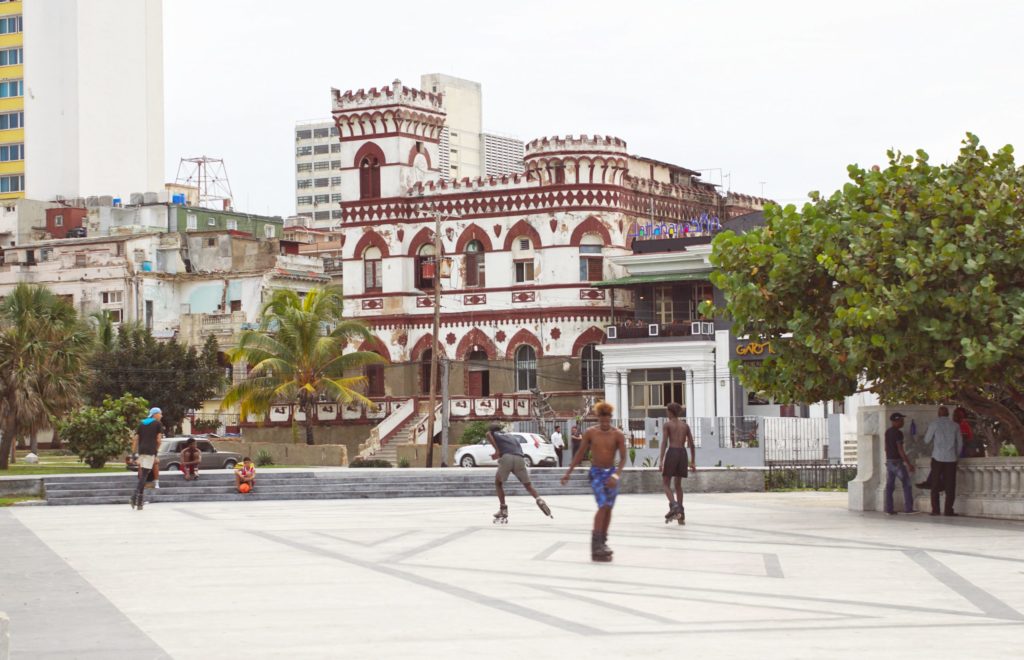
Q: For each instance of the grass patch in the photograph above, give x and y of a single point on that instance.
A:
(8, 501)
(52, 462)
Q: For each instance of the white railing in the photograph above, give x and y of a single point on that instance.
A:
(991, 478)
(400, 414)
(419, 434)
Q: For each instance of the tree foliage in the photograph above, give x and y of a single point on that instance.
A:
(908, 281)
(170, 375)
(98, 433)
(297, 356)
(43, 349)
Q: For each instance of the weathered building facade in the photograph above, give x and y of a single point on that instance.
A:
(521, 254)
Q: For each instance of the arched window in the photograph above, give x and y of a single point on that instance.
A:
(526, 368)
(425, 267)
(425, 373)
(478, 377)
(374, 380)
(372, 270)
(522, 259)
(369, 177)
(474, 264)
(591, 261)
(592, 368)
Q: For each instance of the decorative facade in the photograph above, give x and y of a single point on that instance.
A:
(521, 253)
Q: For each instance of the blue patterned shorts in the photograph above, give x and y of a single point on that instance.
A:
(604, 495)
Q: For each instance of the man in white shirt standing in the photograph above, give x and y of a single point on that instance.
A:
(556, 440)
(946, 439)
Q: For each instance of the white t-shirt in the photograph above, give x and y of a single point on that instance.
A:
(556, 440)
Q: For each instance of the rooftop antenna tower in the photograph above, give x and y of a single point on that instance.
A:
(209, 177)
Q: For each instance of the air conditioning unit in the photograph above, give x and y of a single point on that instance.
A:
(652, 330)
(611, 332)
(707, 328)
(695, 328)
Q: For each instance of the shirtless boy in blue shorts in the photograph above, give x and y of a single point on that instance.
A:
(602, 441)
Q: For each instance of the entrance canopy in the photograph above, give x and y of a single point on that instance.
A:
(630, 280)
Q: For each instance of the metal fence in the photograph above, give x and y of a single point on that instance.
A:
(803, 476)
(795, 440)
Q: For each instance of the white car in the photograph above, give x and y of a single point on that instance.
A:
(537, 450)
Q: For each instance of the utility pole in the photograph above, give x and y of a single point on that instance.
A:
(435, 345)
(445, 401)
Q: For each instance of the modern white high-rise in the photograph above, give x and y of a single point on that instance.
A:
(459, 153)
(501, 154)
(93, 97)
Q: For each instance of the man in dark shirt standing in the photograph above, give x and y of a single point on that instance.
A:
(896, 466)
(146, 442)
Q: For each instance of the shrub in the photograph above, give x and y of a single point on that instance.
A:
(98, 433)
(263, 458)
(369, 463)
(404, 463)
(474, 433)
(1008, 450)
(200, 425)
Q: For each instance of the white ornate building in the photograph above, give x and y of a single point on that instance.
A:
(520, 308)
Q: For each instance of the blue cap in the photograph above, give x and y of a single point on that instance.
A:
(155, 411)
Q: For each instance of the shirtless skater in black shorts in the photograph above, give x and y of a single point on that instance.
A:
(674, 465)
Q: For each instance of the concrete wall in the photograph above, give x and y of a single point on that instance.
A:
(349, 435)
(5, 637)
(290, 454)
(18, 487)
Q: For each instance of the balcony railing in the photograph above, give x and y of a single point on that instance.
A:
(642, 329)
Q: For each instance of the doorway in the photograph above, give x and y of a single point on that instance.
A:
(478, 378)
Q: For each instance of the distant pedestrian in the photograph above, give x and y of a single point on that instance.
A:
(146, 443)
(603, 441)
(896, 466)
(971, 448)
(558, 443)
(947, 440)
(575, 439)
(191, 457)
(675, 464)
(509, 454)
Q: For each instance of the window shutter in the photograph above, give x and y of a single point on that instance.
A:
(595, 268)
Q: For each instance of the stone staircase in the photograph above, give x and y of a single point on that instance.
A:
(219, 485)
(403, 436)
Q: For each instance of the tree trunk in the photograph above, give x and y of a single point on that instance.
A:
(1012, 426)
(55, 442)
(6, 449)
(309, 423)
(33, 443)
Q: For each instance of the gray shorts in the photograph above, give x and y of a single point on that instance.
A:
(510, 463)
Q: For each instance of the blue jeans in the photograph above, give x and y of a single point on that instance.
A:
(895, 468)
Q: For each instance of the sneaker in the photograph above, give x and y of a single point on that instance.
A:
(934, 513)
(156, 484)
(911, 513)
(890, 513)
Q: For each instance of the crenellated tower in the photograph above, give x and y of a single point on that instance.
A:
(572, 160)
(389, 139)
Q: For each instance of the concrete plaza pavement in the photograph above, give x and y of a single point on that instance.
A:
(767, 575)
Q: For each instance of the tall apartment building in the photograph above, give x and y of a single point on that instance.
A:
(317, 170)
(81, 98)
(460, 146)
(501, 154)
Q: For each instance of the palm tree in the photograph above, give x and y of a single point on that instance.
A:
(44, 348)
(297, 356)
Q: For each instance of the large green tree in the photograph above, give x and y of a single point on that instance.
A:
(175, 377)
(44, 347)
(908, 282)
(297, 356)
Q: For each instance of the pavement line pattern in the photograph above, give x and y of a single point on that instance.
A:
(430, 545)
(977, 596)
(40, 591)
(458, 592)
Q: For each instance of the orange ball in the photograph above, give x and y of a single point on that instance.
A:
(244, 488)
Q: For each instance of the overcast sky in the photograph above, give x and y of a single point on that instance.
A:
(784, 93)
